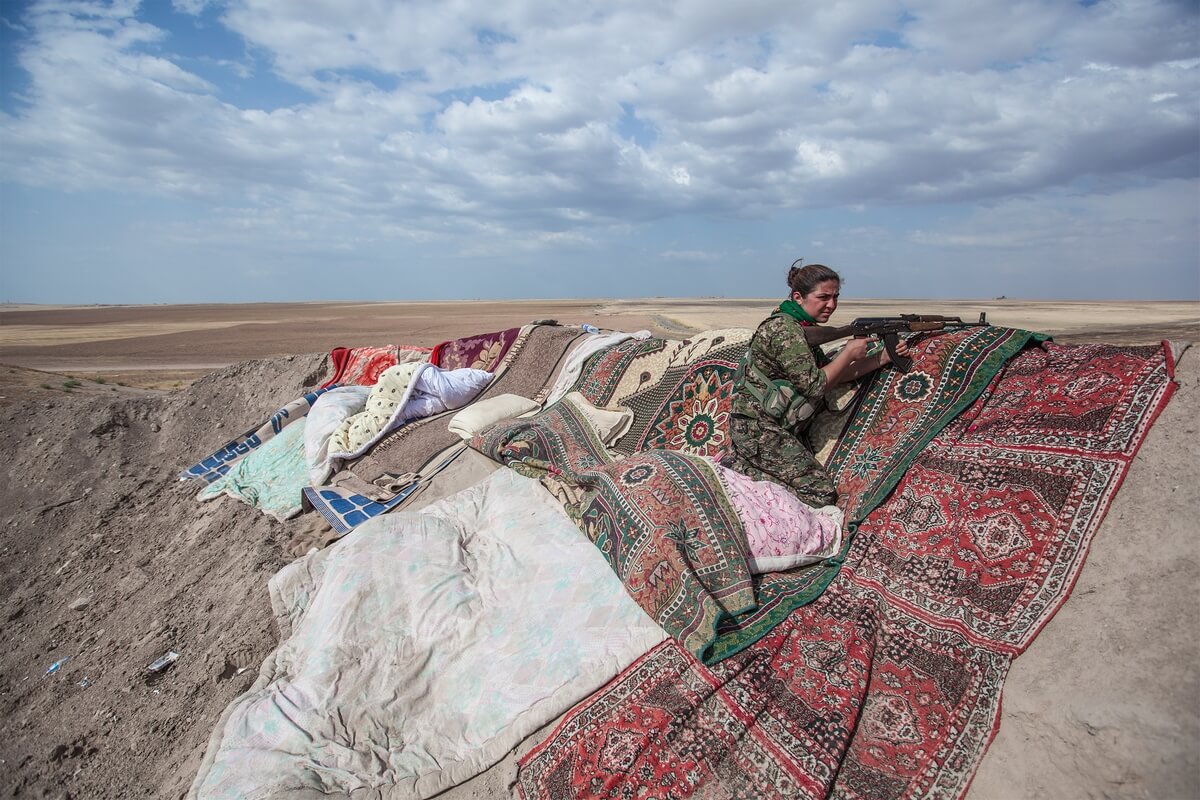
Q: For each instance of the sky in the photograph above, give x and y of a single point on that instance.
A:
(290, 150)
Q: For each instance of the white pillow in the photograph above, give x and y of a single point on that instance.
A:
(610, 424)
(477, 416)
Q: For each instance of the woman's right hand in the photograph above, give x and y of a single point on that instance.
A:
(848, 363)
(855, 349)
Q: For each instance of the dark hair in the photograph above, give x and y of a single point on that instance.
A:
(804, 279)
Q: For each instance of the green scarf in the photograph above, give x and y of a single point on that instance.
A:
(793, 309)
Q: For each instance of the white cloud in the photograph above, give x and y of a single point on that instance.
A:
(428, 119)
(193, 7)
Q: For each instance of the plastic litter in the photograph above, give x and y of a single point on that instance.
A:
(164, 661)
(57, 665)
(589, 328)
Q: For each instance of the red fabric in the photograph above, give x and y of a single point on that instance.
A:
(435, 354)
(362, 366)
(888, 686)
(338, 357)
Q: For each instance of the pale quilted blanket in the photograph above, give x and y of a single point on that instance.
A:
(325, 417)
(404, 392)
(423, 647)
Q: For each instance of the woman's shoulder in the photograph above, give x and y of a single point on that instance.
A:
(780, 340)
(778, 325)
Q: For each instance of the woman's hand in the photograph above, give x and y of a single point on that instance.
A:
(855, 350)
(846, 363)
(885, 357)
(852, 362)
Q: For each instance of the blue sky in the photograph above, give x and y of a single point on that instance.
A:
(194, 151)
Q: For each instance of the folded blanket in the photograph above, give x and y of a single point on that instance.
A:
(362, 366)
(608, 424)
(324, 418)
(782, 531)
(423, 647)
(680, 391)
(579, 355)
(481, 351)
(485, 413)
(404, 392)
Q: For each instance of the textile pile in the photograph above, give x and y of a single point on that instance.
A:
(888, 685)
(858, 652)
(422, 648)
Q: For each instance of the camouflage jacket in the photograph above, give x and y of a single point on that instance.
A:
(779, 351)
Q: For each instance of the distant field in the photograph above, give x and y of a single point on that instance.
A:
(163, 345)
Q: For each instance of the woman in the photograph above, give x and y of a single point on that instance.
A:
(781, 383)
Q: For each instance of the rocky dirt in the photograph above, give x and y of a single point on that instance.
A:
(107, 563)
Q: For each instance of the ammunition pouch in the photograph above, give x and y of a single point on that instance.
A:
(781, 401)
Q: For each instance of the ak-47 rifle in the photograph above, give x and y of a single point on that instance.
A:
(888, 329)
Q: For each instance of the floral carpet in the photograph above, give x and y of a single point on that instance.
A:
(888, 685)
(660, 515)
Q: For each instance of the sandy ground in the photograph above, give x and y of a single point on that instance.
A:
(165, 345)
(108, 562)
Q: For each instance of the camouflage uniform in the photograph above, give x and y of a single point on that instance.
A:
(764, 448)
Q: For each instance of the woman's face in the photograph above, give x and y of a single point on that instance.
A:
(821, 302)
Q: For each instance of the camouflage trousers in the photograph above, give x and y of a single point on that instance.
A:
(766, 452)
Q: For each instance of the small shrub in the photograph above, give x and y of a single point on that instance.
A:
(101, 381)
(71, 384)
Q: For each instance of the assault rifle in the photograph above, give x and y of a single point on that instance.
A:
(888, 329)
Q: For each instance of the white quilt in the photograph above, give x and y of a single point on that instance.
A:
(403, 393)
(423, 646)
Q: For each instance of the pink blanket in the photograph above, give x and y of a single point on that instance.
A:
(781, 530)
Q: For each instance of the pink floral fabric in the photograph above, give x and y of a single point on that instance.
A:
(362, 366)
(781, 530)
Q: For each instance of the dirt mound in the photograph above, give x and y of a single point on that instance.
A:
(109, 563)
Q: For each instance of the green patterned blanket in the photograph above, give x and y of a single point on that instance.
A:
(660, 518)
(660, 514)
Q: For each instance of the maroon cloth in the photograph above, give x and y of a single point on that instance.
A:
(481, 351)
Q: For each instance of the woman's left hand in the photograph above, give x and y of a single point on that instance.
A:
(885, 357)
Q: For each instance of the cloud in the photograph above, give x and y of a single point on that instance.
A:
(193, 7)
(427, 121)
(739, 120)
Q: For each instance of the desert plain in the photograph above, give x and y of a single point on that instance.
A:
(107, 562)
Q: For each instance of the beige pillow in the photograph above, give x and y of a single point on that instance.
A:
(610, 424)
(484, 413)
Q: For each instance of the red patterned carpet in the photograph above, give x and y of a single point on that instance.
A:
(888, 685)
